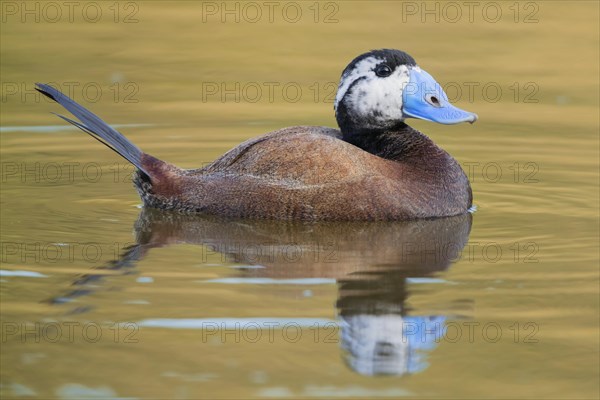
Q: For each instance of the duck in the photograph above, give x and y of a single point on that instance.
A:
(375, 167)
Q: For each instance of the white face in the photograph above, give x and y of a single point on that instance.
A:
(373, 98)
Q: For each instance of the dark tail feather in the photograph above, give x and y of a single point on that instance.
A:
(95, 127)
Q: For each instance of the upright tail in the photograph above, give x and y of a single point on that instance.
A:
(95, 127)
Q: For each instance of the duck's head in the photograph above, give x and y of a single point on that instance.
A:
(381, 88)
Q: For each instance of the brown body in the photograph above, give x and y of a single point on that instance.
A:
(310, 173)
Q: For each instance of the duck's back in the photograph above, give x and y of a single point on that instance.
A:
(298, 156)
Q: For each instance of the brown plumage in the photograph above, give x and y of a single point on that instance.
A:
(376, 168)
(319, 177)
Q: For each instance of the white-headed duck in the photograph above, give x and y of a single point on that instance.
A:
(375, 167)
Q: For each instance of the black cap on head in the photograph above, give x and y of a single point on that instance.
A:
(391, 56)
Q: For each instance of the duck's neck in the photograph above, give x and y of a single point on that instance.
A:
(399, 143)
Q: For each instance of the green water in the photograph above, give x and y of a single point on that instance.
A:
(100, 299)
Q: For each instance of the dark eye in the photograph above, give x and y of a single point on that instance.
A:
(382, 70)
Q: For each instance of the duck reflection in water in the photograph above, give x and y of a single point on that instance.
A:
(372, 262)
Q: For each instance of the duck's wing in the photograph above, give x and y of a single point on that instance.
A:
(310, 155)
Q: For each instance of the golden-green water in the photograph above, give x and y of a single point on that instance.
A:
(99, 299)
